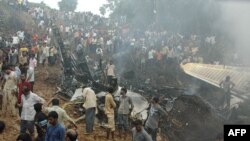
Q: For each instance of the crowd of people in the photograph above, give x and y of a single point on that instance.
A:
(26, 51)
(101, 41)
(139, 131)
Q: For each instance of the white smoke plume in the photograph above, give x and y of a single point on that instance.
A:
(235, 22)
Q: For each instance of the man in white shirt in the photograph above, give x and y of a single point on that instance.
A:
(52, 55)
(62, 115)
(9, 97)
(47, 52)
(15, 40)
(20, 35)
(99, 51)
(110, 71)
(67, 30)
(30, 75)
(47, 40)
(61, 28)
(151, 54)
(125, 108)
(13, 56)
(110, 46)
(29, 99)
(210, 40)
(42, 53)
(17, 71)
(32, 61)
(41, 24)
(89, 99)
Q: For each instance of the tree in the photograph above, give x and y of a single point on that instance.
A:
(102, 10)
(68, 5)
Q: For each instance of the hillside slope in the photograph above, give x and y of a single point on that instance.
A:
(13, 19)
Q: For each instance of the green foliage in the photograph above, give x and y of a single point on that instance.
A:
(68, 5)
(102, 10)
(42, 5)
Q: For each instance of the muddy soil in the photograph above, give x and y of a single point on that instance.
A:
(46, 88)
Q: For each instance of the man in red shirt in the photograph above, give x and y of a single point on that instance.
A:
(20, 85)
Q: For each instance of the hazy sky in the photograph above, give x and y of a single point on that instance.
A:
(83, 5)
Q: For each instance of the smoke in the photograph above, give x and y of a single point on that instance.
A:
(234, 22)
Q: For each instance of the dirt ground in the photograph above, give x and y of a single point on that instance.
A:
(46, 89)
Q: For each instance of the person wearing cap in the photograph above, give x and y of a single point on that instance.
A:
(29, 99)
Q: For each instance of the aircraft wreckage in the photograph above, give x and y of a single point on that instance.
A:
(77, 73)
(190, 117)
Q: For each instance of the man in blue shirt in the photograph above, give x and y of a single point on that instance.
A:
(55, 132)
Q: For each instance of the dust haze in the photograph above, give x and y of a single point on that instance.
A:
(234, 22)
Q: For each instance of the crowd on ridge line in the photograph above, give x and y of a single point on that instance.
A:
(102, 38)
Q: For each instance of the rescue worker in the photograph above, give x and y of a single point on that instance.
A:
(227, 85)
